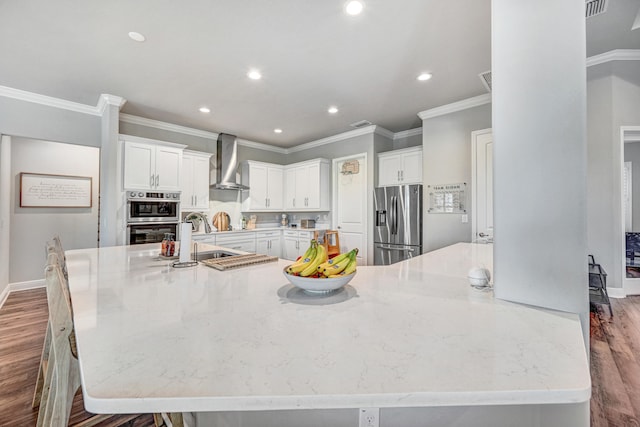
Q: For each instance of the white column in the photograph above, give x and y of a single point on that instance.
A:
(539, 126)
(110, 191)
(5, 210)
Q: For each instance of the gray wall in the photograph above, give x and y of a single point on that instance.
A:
(20, 118)
(632, 154)
(446, 157)
(411, 141)
(32, 227)
(613, 100)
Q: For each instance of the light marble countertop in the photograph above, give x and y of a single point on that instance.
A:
(155, 338)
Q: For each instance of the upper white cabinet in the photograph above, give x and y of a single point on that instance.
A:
(265, 182)
(400, 167)
(195, 180)
(152, 165)
(307, 186)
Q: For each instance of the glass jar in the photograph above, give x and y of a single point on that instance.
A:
(168, 245)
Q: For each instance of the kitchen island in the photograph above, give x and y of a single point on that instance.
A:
(246, 347)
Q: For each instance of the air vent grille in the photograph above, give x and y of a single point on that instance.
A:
(486, 79)
(595, 7)
(361, 124)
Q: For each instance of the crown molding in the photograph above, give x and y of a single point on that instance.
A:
(407, 133)
(49, 101)
(157, 124)
(341, 137)
(456, 106)
(614, 55)
(106, 100)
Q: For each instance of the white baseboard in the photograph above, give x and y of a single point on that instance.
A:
(631, 287)
(616, 292)
(20, 286)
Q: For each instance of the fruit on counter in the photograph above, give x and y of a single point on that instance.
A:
(312, 268)
(350, 268)
(337, 264)
(304, 260)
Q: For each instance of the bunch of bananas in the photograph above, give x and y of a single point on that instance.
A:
(308, 263)
(340, 265)
(315, 263)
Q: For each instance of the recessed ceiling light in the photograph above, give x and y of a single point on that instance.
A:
(254, 75)
(204, 110)
(136, 36)
(277, 130)
(333, 110)
(354, 7)
(424, 76)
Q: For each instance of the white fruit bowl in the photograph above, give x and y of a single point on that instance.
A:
(316, 285)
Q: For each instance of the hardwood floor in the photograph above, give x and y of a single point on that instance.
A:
(615, 363)
(23, 319)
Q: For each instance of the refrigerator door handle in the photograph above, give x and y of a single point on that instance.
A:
(394, 209)
(389, 248)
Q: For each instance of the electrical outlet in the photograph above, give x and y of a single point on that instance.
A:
(464, 218)
(369, 417)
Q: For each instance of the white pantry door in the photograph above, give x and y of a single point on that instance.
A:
(482, 189)
(350, 204)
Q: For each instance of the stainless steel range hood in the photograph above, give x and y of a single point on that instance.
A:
(227, 164)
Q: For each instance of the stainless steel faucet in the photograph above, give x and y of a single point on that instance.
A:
(201, 217)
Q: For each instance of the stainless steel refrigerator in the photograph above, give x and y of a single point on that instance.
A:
(398, 223)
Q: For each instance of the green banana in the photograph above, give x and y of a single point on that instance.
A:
(332, 261)
(304, 261)
(321, 256)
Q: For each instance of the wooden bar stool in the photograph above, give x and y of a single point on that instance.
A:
(332, 243)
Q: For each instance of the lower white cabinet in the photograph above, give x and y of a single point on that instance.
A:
(269, 243)
(238, 241)
(295, 243)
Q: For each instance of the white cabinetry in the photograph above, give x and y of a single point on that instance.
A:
(307, 186)
(151, 165)
(195, 180)
(400, 167)
(265, 182)
(295, 243)
(269, 243)
(238, 241)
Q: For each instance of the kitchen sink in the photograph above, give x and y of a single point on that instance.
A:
(200, 256)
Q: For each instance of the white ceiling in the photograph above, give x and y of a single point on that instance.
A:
(311, 55)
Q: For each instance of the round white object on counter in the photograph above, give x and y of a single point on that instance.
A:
(479, 277)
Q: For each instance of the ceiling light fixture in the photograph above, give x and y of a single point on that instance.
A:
(424, 77)
(354, 8)
(205, 110)
(254, 75)
(277, 130)
(332, 110)
(136, 36)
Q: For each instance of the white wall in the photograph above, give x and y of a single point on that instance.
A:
(540, 154)
(446, 157)
(32, 227)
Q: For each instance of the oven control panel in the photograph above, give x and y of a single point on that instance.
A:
(160, 196)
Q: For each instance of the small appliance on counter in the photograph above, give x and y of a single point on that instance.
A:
(307, 223)
(285, 220)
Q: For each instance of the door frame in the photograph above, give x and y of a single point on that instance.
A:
(629, 286)
(334, 202)
(474, 189)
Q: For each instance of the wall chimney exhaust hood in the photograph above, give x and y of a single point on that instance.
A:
(227, 163)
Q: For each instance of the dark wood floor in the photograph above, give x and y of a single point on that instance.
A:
(615, 363)
(23, 319)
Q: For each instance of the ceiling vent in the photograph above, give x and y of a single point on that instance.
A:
(486, 79)
(361, 124)
(595, 7)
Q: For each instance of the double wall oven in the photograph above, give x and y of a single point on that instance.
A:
(151, 215)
